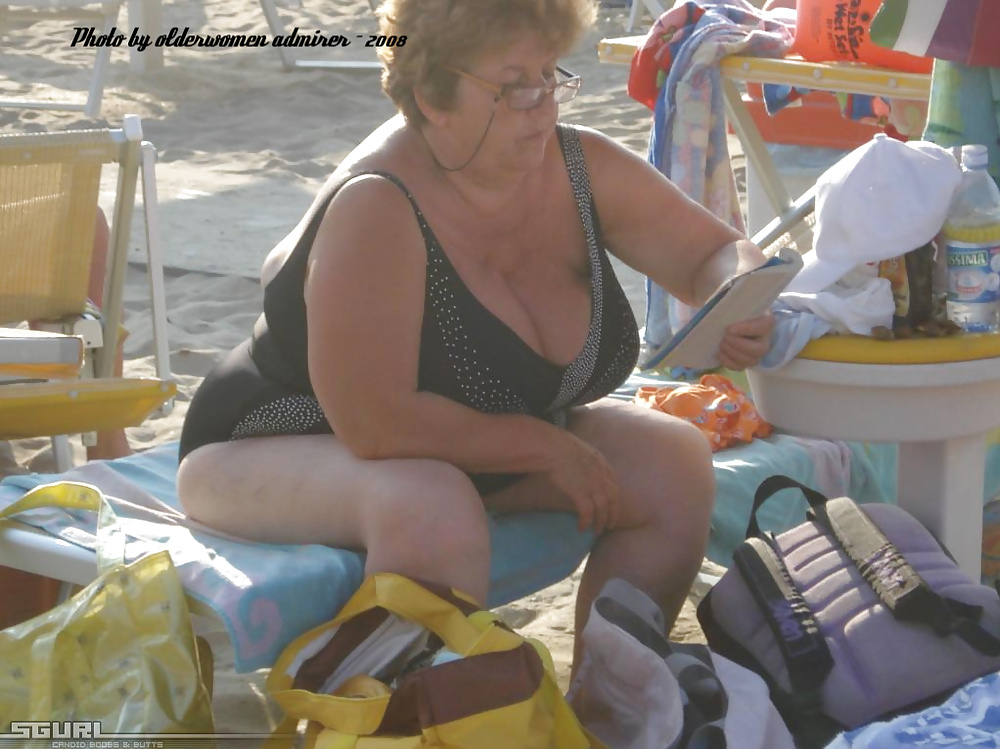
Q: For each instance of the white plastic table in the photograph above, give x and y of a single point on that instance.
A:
(940, 414)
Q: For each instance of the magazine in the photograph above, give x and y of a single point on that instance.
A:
(742, 297)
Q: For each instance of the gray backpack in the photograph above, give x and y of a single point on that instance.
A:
(858, 614)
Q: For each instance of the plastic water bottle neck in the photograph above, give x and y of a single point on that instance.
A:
(975, 158)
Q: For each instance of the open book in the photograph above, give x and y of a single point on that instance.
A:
(742, 297)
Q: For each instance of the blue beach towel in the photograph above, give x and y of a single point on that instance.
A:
(269, 594)
(970, 717)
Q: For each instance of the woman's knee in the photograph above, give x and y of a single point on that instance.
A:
(672, 475)
(691, 453)
(429, 506)
(195, 475)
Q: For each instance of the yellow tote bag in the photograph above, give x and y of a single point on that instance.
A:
(500, 693)
(121, 651)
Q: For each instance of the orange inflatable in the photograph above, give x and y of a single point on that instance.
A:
(837, 31)
(720, 410)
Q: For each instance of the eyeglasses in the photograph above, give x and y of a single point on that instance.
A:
(518, 96)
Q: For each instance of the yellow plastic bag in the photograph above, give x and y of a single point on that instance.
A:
(121, 652)
(501, 693)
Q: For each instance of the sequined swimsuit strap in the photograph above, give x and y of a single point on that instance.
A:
(581, 370)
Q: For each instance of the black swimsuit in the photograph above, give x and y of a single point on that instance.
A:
(467, 354)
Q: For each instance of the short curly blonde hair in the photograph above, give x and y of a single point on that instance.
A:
(456, 32)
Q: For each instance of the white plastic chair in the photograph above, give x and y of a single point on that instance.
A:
(84, 11)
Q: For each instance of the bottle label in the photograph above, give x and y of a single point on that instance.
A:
(895, 270)
(973, 272)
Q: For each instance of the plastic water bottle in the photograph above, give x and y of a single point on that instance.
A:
(972, 247)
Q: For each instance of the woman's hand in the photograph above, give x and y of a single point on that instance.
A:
(746, 342)
(583, 474)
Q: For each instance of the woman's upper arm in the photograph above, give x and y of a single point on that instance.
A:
(364, 296)
(275, 259)
(647, 221)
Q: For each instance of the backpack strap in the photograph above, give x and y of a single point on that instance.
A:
(786, 612)
(771, 486)
(894, 580)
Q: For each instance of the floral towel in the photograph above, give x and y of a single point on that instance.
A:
(676, 73)
(718, 408)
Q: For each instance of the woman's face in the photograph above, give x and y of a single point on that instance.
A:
(517, 137)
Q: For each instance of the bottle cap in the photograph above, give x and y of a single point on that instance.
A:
(975, 157)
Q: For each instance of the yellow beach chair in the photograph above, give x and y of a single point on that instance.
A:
(49, 185)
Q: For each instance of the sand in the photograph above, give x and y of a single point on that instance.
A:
(243, 146)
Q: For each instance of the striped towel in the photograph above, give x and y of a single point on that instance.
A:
(964, 31)
(676, 73)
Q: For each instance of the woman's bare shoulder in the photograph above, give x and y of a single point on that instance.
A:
(371, 219)
(368, 231)
(601, 150)
(383, 147)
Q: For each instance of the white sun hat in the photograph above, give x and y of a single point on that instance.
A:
(880, 201)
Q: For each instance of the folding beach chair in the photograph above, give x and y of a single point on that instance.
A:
(101, 14)
(291, 61)
(49, 186)
(655, 8)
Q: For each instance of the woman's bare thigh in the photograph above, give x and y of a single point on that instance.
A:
(299, 488)
(648, 450)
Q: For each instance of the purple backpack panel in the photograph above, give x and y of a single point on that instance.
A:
(880, 663)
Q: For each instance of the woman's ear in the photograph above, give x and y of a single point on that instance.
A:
(435, 116)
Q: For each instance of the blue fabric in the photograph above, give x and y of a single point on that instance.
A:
(793, 329)
(739, 470)
(269, 594)
(970, 717)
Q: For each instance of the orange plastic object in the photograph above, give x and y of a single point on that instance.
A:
(720, 410)
(837, 31)
(814, 121)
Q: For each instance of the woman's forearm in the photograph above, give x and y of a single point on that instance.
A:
(424, 425)
(727, 261)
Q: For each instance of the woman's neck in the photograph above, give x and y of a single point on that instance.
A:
(487, 188)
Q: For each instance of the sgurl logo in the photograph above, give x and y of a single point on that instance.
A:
(77, 734)
(47, 729)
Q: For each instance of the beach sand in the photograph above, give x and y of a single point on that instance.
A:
(243, 147)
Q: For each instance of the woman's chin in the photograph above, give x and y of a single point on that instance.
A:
(529, 152)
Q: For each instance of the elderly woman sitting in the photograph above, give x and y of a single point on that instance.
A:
(442, 327)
